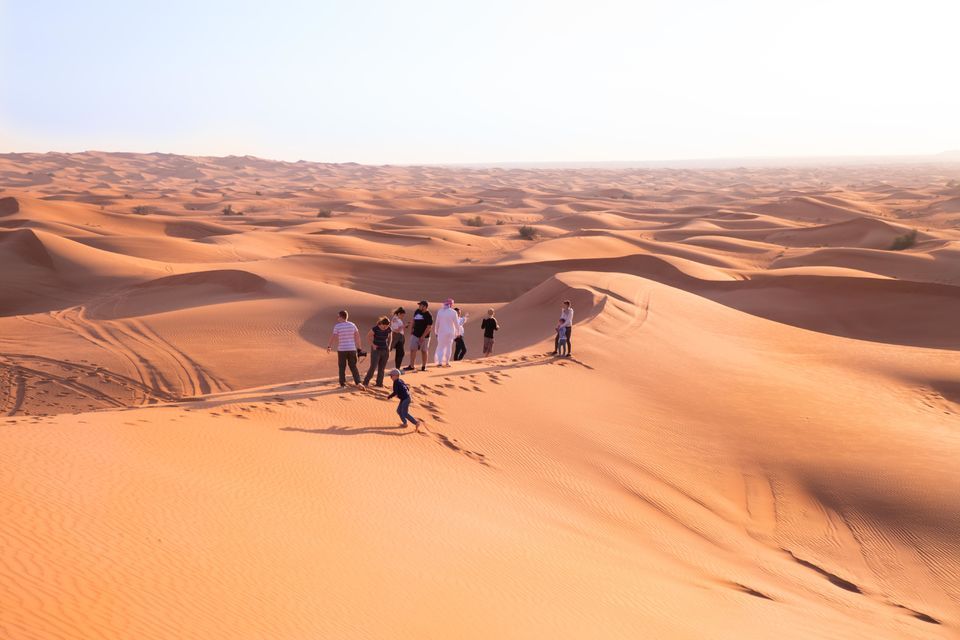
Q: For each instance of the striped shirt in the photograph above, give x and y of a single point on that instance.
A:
(345, 332)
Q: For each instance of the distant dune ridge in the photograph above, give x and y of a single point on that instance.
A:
(756, 436)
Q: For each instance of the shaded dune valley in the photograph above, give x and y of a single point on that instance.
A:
(756, 436)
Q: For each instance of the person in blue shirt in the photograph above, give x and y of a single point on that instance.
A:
(402, 391)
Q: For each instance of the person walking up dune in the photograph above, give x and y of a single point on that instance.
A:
(459, 346)
(420, 335)
(347, 337)
(447, 328)
(489, 325)
(379, 337)
(402, 391)
(397, 328)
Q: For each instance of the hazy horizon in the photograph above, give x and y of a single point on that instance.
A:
(428, 83)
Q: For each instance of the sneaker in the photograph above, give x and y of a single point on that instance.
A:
(409, 368)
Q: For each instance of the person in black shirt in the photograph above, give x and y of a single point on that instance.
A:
(380, 337)
(489, 325)
(402, 391)
(420, 335)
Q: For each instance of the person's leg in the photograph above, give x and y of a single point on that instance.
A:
(424, 350)
(342, 366)
(371, 368)
(404, 410)
(352, 361)
(569, 333)
(398, 346)
(460, 350)
(442, 354)
(382, 356)
(556, 344)
(414, 347)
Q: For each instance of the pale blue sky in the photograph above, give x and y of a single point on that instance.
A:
(523, 80)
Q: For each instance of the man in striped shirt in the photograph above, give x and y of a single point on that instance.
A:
(348, 342)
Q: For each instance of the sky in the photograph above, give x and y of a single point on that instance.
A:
(405, 82)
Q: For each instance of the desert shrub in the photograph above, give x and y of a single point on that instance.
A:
(324, 213)
(527, 232)
(905, 241)
(141, 210)
(475, 221)
(128, 196)
(259, 193)
(229, 211)
(500, 222)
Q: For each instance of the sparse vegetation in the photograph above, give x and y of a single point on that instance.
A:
(229, 211)
(141, 210)
(259, 194)
(905, 241)
(527, 232)
(324, 213)
(475, 221)
(500, 222)
(128, 196)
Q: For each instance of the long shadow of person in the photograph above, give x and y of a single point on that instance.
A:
(355, 431)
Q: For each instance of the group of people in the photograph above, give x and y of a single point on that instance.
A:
(388, 336)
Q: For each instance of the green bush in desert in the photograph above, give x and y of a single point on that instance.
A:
(905, 241)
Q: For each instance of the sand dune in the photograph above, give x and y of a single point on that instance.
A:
(755, 437)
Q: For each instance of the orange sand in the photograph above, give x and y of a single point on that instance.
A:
(757, 437)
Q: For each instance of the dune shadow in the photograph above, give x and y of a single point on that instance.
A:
(335, 430)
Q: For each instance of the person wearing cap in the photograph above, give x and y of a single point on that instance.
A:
(447, 327)
(402, 391)
(420, 335)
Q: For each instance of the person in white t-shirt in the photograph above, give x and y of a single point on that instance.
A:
(566, 314)
(398, 325)
(347, 337)
(459, 346)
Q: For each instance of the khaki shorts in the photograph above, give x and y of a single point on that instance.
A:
(487, 345)
(419, 344)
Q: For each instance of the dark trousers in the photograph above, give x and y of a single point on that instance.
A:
(556, 341)
(398, 346)
(403, 410)
(345, 358)
(459, 348)
(378, 362)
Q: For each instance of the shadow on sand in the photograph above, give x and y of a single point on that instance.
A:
(356, 431)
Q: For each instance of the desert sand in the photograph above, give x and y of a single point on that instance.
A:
(756, 437)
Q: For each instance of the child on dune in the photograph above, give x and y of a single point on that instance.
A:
(563, 345)
(402, 391)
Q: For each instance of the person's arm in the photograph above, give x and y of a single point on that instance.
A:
(370, 336)
(426, 332)
(356, 338)
(390, 341)
(333, 336)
